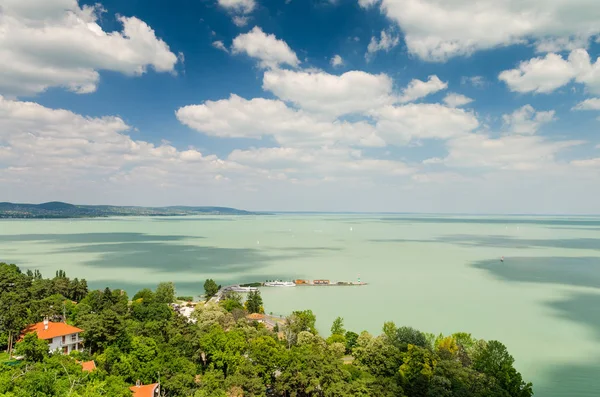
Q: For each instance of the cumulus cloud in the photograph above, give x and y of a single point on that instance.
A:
(241, 6)
(46, 147)
(399, 125)
(417, 89)
(456, 100)
(436, 30)
(386, 42)
(336, 60)
(526, 120)
(588, 104)
(544, 75)
(475, 81)
(259, 117)
(325, 93)
(57, 43)
(240, 21)
(270, 51)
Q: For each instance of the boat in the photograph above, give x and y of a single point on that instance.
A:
(502, 259)
(279, 284)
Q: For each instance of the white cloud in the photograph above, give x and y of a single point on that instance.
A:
(320, 92)
(324, 162)
(56, 43)
(271, 51)
(509, 152)
(238, 6)
(437, 30)
(399, 125)
(258, 117)
(218, 44)
(49, 148)
(526, 120)
(240, 21)
(475, 81)
(418, 89)
(588, 104)
(456, 100)
(591, 163)
(544, 75)
(386, 42)
(336, 60)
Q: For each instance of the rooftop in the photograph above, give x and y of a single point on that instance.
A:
(88, 366)
(54, 330)
(144, 390)
(255, 316)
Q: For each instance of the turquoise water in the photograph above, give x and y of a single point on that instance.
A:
(435, 273)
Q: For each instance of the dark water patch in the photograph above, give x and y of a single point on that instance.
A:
(575, 380)
(92, 238)
(504, 242)
(165, 257)
(578, 271)
(497, 221)
(581, 308)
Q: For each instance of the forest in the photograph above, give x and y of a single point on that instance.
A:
(222, 353)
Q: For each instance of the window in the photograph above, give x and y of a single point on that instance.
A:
(74, 338)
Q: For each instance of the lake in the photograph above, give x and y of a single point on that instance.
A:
(434, 273)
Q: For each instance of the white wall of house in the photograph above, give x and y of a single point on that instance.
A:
(66, 344)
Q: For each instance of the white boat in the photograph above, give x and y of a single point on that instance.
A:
(279, 284)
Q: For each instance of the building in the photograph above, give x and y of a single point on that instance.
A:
(60, 336)
(140, 390)
(256, 317)
(321, 282)
(88, 366)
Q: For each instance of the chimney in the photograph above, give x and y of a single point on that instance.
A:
(45, 323)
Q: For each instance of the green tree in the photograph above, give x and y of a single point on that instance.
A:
(337, 328)
(32, 348)
(210, 288)
(351, 338)
(494, 360)
(165, 293)
(232, 301)
(254, 302)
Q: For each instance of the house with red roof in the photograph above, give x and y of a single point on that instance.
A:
(152, 390)
(60, 336)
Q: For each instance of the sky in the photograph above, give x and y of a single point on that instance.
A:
(434, 106)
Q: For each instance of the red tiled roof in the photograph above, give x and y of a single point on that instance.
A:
(54, 330)
(255, 316)
(88, 366)
(144, 390)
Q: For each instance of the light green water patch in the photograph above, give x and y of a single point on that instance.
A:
(435, 273)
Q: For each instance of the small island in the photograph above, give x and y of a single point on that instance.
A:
(57, 209)
(62, 339)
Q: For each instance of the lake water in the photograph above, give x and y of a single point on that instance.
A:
(435, 273)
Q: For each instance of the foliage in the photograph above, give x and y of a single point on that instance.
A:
(222, 355)
(185, 298)
(210, 288)
(254, 302)
(32, 348)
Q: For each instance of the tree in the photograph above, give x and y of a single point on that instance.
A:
(165, 293)
(494, 360)
(232, 301)
(210, 288)
(351, 338)
(254, 302)
(337, 328)
(32, 348)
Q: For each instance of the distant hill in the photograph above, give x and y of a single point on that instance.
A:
(57, 209)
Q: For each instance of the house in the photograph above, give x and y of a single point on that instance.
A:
(60, 336)
(256, 317)
(140, 390)
(88, 366)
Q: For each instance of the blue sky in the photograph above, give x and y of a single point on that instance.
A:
(348, 105)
